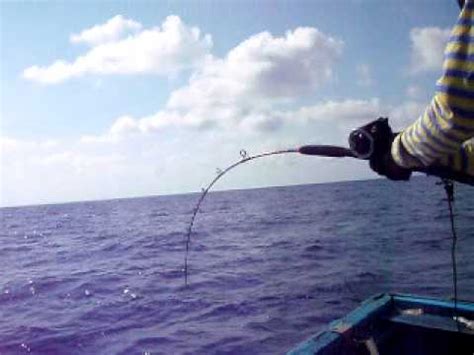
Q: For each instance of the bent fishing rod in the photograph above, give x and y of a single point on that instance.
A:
(364, 143)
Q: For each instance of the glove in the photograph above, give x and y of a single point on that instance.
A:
(383, 164)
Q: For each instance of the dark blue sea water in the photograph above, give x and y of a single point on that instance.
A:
(268, 267)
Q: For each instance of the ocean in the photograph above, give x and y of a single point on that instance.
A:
(267, 267)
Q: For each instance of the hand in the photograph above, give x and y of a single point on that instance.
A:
(373, 142)
(383, 164)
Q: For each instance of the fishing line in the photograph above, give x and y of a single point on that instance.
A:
(220, 173)
(449, 188)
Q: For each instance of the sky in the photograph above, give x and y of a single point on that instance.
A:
(116, 99)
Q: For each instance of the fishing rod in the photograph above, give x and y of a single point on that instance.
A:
(318, 150)
(365, 143)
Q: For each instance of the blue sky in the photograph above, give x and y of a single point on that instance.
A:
(150, 97)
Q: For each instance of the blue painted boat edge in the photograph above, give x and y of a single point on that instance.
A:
(316, 343)
(466, 306)
(366, 312)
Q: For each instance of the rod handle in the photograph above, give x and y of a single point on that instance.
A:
(326, 151)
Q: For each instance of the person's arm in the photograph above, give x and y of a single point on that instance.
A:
(440, 135)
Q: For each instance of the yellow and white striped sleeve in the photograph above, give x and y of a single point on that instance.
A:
(443, 134)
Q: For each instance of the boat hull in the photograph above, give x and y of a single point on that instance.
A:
(398, 324)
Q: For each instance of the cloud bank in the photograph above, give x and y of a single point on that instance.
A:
(246, 87)
(251, 97)
(427, 48)
(114, 29)
(121, 46)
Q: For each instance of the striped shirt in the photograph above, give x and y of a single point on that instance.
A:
(444, 134)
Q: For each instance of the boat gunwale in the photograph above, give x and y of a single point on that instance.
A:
(377, 306)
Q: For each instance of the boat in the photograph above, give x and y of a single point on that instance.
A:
(389, 324)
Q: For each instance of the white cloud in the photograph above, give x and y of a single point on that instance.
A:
(244, 88)
(406, 113)
(256, 75)
(254, 89)
(364, 75)
(348, 114)
(111, 31)
(161, 50)
(180, 160)
(427, 48)
(17, 152)
(339, 115)
(35, 171)
(264, 67)
(344, 113)
(12, 145)
(414, 92)
(144, 166)
(341, 111)
(126, 126)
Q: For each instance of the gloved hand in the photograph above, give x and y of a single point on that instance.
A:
(383, 164)
(373, 142)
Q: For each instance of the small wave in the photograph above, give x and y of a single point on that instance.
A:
(314, 247)
(148, 345)
(367, 275)
(268, 298)
(158, 214)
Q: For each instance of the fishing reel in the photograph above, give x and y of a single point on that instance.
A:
(372, 140)
(369, 142)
